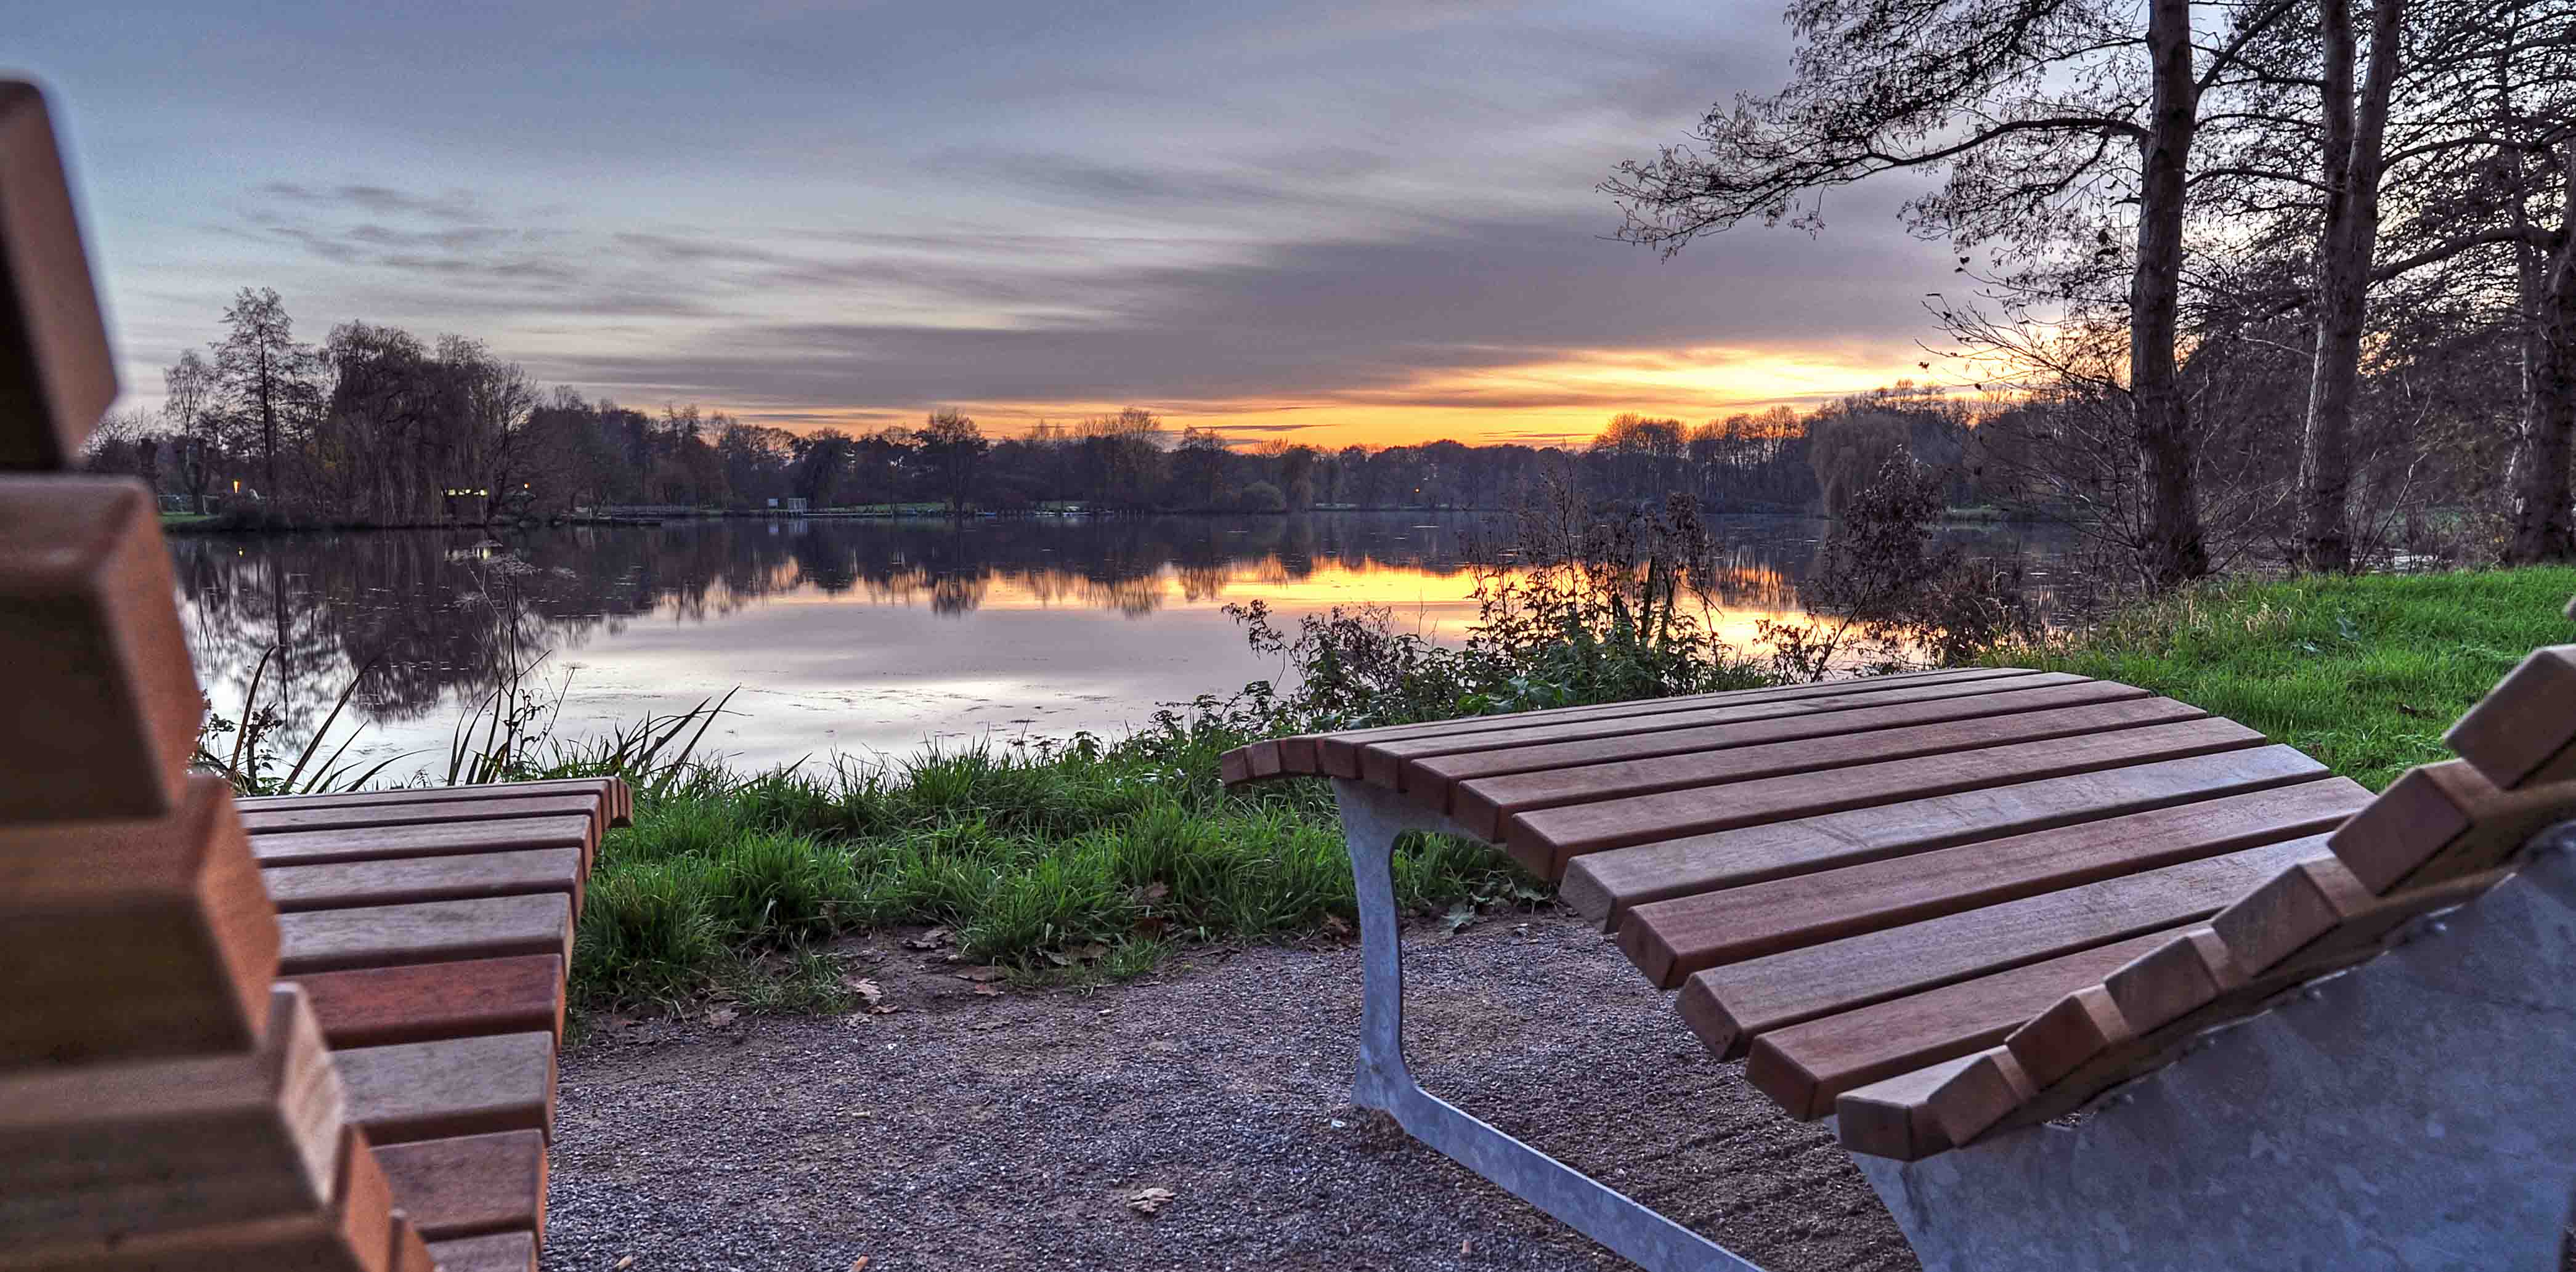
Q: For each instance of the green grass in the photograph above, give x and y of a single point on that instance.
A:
(733, 881)
(2363, 673)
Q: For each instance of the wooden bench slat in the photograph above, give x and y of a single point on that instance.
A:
(1481, 805)
(376, 1006)
(1548, 838)
(1607, 884)
(317, 847)
(267, 821)
(1805, 1066)
(56, 373)
(499, 1252)
(1715, 928)
(92, 1152)
(2524, 731)
(1336, 753)
(1388, 764)
(427, 932)
(353, 1232)
(126, 939)
(1888, 1118)
(615, 797)
(341, 885)
(454, 1086)
(1441, 765)
(1729, 1006)
(100, 714)
(2442, 821)
(470, 1186)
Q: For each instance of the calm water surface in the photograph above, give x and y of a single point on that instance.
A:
(851, 636)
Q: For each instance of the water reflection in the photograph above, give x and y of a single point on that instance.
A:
(845, 633)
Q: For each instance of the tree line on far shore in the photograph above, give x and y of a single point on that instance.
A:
(375, 426)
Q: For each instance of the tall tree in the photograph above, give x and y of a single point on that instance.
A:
(952, 446)
(268, 378)
(2027, 107)
(189, 390)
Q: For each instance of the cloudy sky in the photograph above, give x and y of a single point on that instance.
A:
(1345, 220)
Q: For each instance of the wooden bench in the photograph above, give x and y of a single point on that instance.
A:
(304, 1032)
(1944, 909)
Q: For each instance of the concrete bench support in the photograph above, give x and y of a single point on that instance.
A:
(2410, 1113)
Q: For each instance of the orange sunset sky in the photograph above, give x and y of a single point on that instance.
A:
(1335, 222)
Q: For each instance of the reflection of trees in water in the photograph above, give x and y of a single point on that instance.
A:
(443, 612)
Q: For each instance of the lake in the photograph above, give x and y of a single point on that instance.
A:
(862, 637)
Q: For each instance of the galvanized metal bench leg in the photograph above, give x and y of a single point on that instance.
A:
(1371, 820)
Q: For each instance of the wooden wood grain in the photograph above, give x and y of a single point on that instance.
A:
(1557, 835)
(127, 939)
(515, 834)
(340, 885)
(499, 1252)
(102, 706)
(454, 1086)
(1888, 1118)
(406, 1252)
(1483, 804)
(1729, 1006)
(1607, 884)
(2443, 821)
(1804, 1067)
(1986, 1088)
(56, 373)
(470, 1186)
(428, 1001)
(100, 1152)
(2356, 940)
(1711, 929)
(612, 793)
(429, 932)
(354, 1230)
(1336, 753)
(1441, 765)
(2524, 731)
(2072, 1030)
(350, 816)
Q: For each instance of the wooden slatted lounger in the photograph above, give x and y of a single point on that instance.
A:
(1944, 909)
(314, 1032)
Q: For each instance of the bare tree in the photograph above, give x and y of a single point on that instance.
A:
(2028, 107)
(265, 374)
(188, 403)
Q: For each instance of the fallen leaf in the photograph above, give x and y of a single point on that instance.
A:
(883, 1009)
(1459, 916)
(987, 972)
(627, 1262)
(1059, 959)
(722, 1016)
(1089, 953)
(1149, 1201)
(1333, 923)
(1466, 1248)
(989, 991)
(1153, 892)
(859, 1264)
(1150, 926)
(930, 940)
(869, 991)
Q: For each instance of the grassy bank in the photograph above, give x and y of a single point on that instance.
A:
(2363, 673)
(1080, 862)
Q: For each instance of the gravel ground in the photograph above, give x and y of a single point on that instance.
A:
(973, 1130)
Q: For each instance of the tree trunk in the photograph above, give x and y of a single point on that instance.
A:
(2325, 450)
(2542, 529)
(2175, 548)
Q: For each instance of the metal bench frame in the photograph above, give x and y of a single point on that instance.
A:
(1372, 819)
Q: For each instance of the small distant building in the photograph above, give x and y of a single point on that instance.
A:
(795, 505)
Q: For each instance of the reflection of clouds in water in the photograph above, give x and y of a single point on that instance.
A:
(1089, 622)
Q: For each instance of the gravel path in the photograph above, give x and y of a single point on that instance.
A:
(973, 1131)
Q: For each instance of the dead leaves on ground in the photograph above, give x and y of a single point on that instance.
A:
(1149, 1202)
